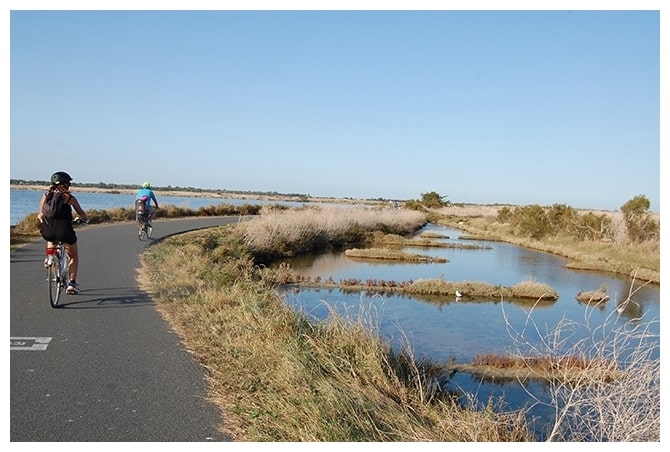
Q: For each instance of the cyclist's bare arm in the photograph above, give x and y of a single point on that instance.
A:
(74, 203)
(40, 215)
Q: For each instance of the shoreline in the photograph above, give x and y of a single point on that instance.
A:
(201, 194)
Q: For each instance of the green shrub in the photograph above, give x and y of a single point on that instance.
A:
(531, 221)
(640, 225)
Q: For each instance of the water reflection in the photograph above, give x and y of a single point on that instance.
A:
(443, 329)
(502, 264)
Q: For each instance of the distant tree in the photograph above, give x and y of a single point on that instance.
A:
(433, 200)
(640, 225)
(531, 221)
(592, 227)
(562, 218)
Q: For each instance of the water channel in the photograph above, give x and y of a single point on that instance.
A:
(443, 329)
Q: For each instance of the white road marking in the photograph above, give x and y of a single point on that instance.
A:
(29, 343)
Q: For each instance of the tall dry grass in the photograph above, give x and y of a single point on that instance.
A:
(277, 233)
(616, 397)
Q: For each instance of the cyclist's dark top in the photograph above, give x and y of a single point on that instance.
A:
(65, 211)
(59, 228)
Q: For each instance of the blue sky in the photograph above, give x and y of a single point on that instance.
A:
(509, 106)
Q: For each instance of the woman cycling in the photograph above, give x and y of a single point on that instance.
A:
(57, 227)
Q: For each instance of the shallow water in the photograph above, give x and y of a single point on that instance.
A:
(24, 202)
(445, 328)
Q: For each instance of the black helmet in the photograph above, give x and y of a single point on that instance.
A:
(60, 177)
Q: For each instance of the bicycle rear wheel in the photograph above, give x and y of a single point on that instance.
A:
(55, 283)
(141, 229)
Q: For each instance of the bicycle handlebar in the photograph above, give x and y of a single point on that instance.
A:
(76, 220)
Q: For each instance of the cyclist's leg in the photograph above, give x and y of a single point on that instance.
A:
(73, 260)
(50, 245)
(69, 239)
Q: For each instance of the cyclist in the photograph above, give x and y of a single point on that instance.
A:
(149, 193)
(58, 227)
(142, 209)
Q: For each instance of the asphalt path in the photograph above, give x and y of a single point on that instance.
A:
(105, 366)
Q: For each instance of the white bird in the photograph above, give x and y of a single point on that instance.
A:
(458, 294)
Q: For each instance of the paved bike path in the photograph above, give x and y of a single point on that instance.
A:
(105, 366)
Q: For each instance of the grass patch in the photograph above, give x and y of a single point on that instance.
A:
(464, 290)
(391, 255)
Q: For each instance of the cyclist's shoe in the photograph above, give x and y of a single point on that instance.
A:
(72, 288)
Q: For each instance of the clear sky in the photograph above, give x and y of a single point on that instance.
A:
(508, 106)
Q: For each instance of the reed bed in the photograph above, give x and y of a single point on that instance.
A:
(391, 255)
(284, 233)
(466, 290)
(525, 289)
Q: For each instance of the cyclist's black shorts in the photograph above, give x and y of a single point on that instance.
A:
(58, 230)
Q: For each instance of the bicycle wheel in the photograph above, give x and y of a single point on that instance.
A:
(141, 230)
(55, 282)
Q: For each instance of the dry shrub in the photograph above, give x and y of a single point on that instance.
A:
(533, 289)
(617, 395)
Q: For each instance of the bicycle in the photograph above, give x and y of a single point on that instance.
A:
(57, 265)
(144, 228)
(57, 272)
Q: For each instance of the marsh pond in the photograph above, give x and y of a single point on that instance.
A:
(457, 329)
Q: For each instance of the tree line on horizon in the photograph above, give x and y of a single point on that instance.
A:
(108, 186)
